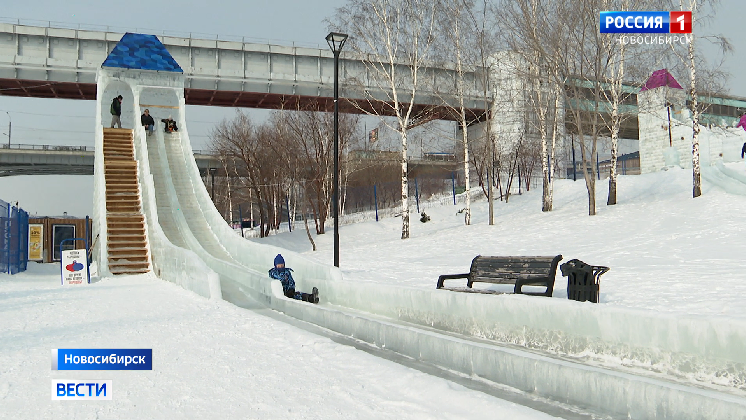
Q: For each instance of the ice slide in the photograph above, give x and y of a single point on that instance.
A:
(435, 326)
(726, 178)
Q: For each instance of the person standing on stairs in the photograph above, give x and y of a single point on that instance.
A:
(280, 272)
(116, 112)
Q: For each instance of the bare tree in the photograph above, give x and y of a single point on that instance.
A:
(537, 53)
(237, 140)
(698, 9)
(311, 142)
(393, 40)
(457, 35)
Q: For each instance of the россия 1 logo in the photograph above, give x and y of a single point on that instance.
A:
(646, 22)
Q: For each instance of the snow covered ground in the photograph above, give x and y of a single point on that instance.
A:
(668, 252)
(211, 359)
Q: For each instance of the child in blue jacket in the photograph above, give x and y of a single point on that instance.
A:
(280, 272)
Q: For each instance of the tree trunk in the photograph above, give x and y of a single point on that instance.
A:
(491, 174)
(308, 232)
(404, 188)
(467, 216)
(554, 145)
(546, 203)
(697, 181)
(616, 122)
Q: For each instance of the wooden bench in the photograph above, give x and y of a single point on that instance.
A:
(518, 270)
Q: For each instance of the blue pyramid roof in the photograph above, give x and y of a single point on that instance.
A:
(142, 52)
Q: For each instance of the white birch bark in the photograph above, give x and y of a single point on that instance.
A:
(696, 175)
(616, 122)
(387, 35)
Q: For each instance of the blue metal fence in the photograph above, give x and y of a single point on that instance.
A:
(13, 239)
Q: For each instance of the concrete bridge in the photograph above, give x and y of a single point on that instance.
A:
(49, 62)
(45, 159)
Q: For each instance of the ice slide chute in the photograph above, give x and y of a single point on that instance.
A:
(422, 323)
(191, 245)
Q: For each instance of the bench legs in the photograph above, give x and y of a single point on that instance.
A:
(450, 277)
(520, 283)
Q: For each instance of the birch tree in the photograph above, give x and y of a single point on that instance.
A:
(481, 20)
(535, 40)
(393, 39)
(457, 36)
(615, 95)
(701, 11)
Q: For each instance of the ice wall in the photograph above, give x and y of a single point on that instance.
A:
(170, 262)
(178, 265)
(657, 151)
(98, 228)
(697, 349)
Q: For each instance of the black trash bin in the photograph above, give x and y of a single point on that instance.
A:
(583, 280)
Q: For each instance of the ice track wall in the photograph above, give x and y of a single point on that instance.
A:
(693, 348)
(170, 262)
(420, 323)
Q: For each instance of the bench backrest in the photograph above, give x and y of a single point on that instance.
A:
(497, 268)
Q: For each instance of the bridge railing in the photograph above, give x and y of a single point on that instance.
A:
(151, 31)
(20, 146)
(53, 147)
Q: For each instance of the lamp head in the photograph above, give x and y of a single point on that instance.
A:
(336, 41)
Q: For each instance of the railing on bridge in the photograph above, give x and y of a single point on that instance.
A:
(48, 147)
(176, 34)
(52, 147)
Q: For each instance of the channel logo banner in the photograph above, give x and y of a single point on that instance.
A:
(75, 389)
(102, 359)
(646, 22)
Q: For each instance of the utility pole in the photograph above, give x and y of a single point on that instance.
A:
(9, 127)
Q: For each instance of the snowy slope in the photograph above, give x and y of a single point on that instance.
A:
(211, 359)
(668, 253)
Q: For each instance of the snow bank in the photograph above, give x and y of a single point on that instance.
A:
(211, 360)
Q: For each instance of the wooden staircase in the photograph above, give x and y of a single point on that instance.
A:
(125, 224)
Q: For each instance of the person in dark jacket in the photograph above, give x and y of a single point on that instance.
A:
(170, 125)
(280, 272)
(743, 150)
(147, 121)
(116, 112)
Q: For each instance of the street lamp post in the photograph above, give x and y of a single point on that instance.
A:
(9, 127)
(212, 175)
(336, 41)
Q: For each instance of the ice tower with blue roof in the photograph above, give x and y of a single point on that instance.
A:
(141, 52)
(144, 73)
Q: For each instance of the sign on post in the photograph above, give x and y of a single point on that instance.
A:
(74, 267)
(35, 242)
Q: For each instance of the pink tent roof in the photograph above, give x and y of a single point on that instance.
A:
(660, 78)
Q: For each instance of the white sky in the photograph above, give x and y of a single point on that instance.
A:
(69, 122)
